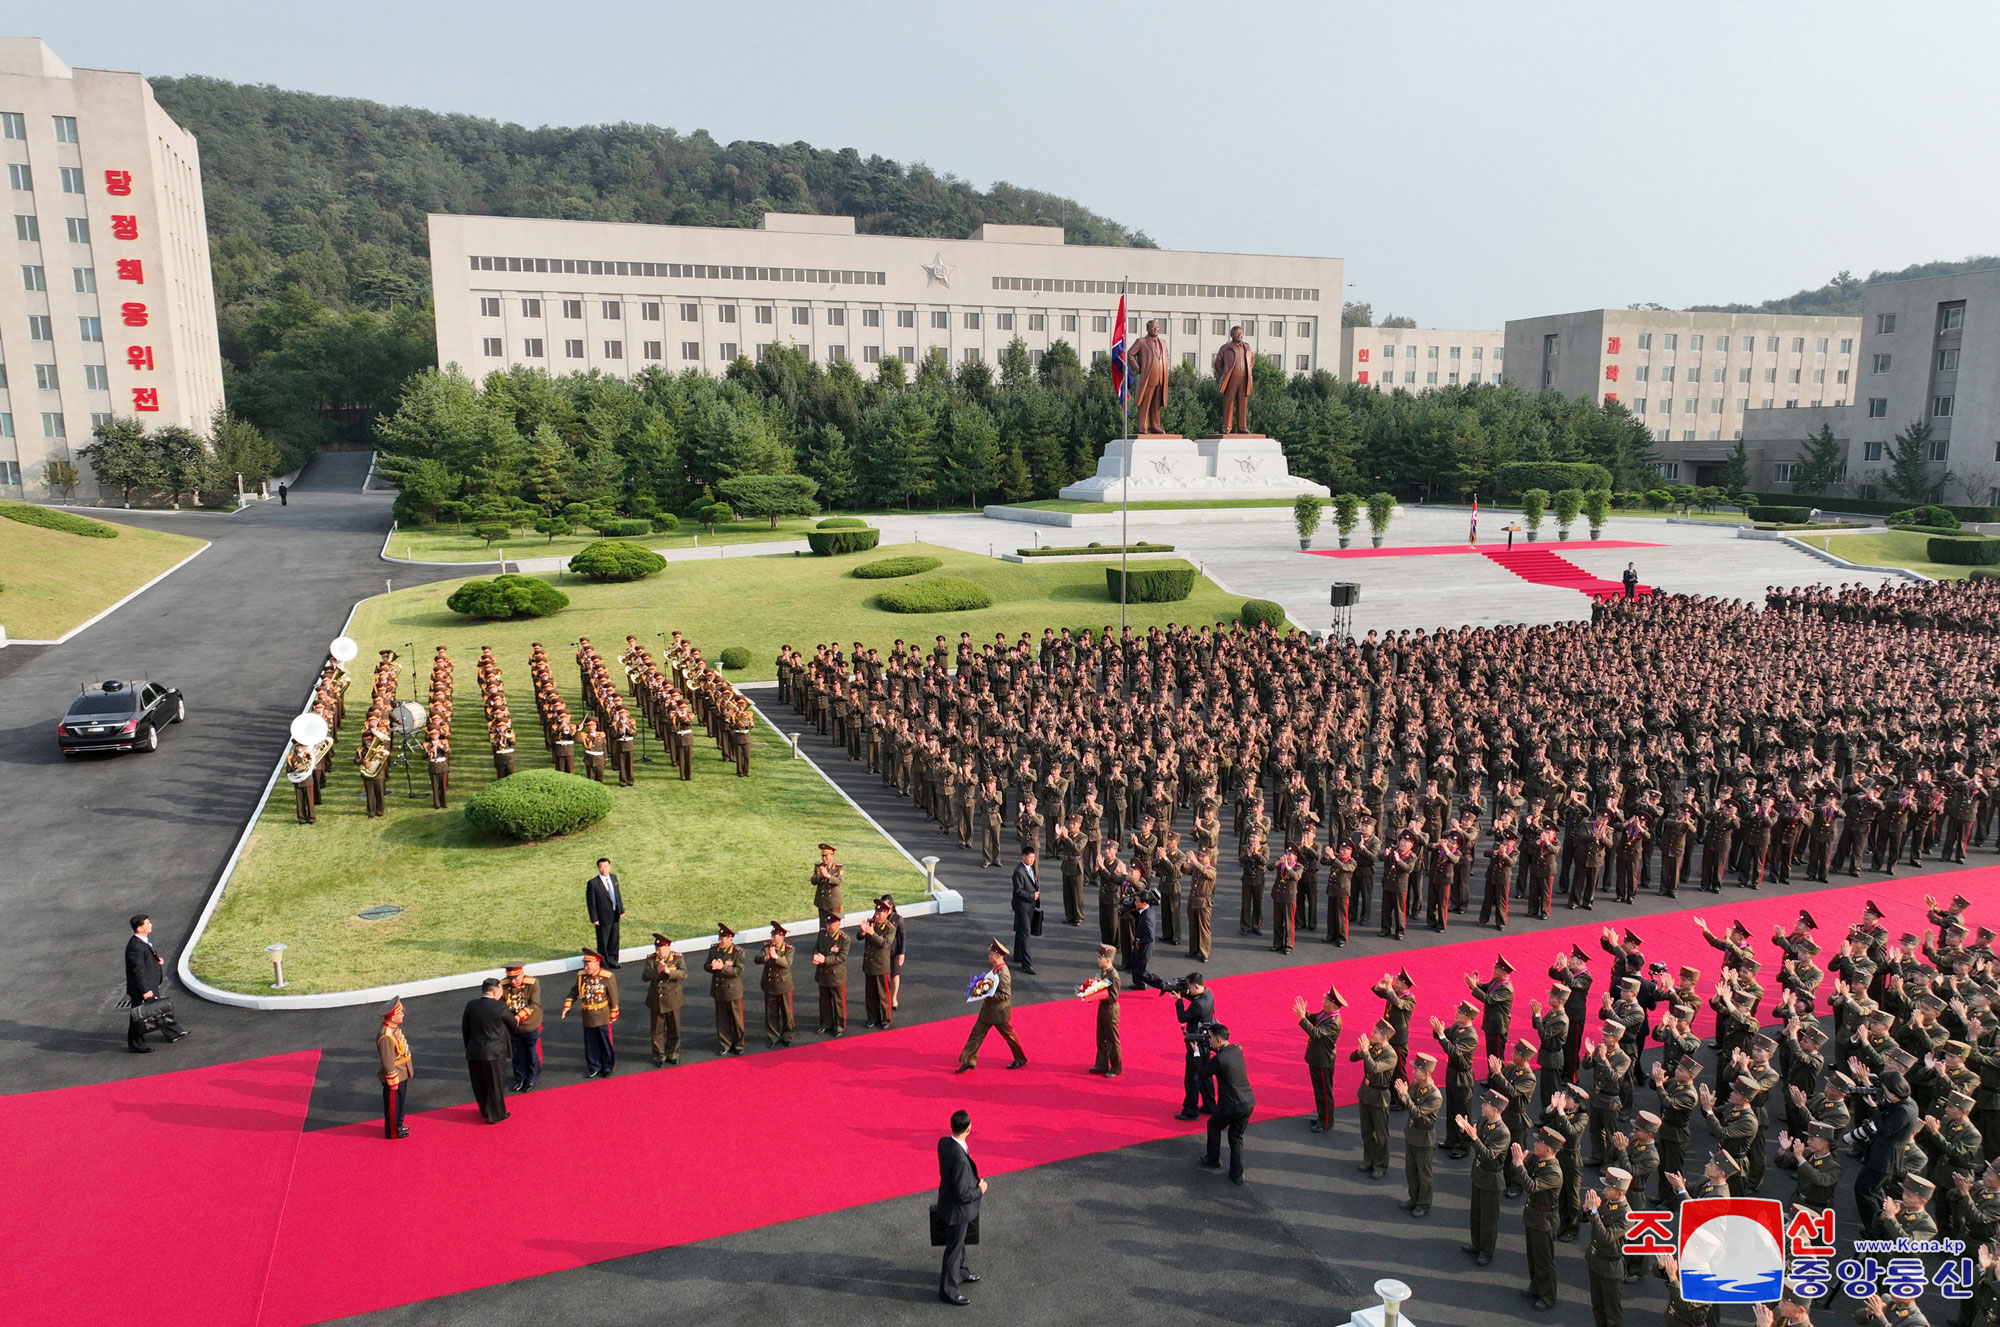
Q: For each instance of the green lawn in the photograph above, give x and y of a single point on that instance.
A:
(718, 848)
(1897, 548)
(54, 581)
(762, 602)
(445, 544)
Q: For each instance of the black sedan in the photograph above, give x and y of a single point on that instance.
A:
(119, 716)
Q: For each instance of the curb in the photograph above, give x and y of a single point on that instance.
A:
(942, 901)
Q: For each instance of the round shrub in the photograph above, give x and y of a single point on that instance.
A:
(664, 522)
(538, 804)
(841, 523)
(831, 543)
(631, 529)
(27, 513)
(935, 594)
(888, 568)
(616, 560)
(1929, 514)
(735, 657)
(1261, 613)
(506, 597)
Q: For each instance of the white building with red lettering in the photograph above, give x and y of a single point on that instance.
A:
(107, 308)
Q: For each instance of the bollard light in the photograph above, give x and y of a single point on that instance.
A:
(930, 876)
(277, 953)
(1393, 1294)
(796, 754)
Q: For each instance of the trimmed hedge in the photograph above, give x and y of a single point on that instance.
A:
(1880, 506)
(538, 804)
(1787, 515)
(1141, 547)
(1515, 476)
(842, 523)
(830, 543)
(1150, 585)
(506, 597)
(735, 657)
(1964, 552)
(632, 528)
(1950, 531)
(1262, 612)
(889, 568)
(615, 560)
(27, 513)
(1927, 515)
(935, 594)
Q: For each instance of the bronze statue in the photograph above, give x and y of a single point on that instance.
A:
(1233, 365)
(1147, 363)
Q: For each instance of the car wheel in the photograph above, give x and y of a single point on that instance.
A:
(152, 739)
(180, 711)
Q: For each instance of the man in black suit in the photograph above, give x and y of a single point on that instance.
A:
(606, 903)
(1142, 941)
(959, 1191)
(487, 1027)
(1885, 1137)
(1027, 893)
(145, 979)
(1233, 1102)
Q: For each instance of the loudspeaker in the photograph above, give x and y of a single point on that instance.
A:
(1346, 594)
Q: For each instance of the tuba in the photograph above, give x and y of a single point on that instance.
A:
(317, 751)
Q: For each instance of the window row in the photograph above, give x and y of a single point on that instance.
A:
(96, 378)
(1950, 318)
(812, 276)
(82, 279)
(801, 315)
(28, 228)
(1410, 351)
(1169, 289)
(22, 177)
(1387, 377)
(1644, 373)
(1671, 341)
(535, 347)
(42, 327)
(13, 124)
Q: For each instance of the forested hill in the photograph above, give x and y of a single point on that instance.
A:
(327, 195)
(1842, 295)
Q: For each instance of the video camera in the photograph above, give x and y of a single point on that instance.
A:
(1176, 987)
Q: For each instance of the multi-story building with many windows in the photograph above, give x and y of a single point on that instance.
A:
(569, 296)
(1929, 354)
(106, 307)
(1418, 359)
(1691, 377)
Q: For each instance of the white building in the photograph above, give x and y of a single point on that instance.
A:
(569, 296)
(107, 307)
(1691, 377)
(1419, 359)
(1930, 354)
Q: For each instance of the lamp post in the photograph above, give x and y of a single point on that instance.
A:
(277, 953)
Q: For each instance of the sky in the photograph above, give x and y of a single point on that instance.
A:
(1470, 162)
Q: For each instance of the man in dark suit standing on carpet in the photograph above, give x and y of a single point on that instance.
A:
(959, 1191)
(488, 1027)
(145, 980)
(606, 902)
(1233, 1102)
(1027, 893)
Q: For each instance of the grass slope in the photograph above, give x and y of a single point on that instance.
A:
(718, 848)
(763, 602)
(54, 581)
(1897, 548)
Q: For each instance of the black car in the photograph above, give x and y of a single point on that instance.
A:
(119, 716)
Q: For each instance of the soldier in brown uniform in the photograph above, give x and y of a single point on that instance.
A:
(1378, 1074)
(827, 878)
(995, 1012)
(522, 995)
(595, 750)
(1110, 1058)
(776, 982)
(437, 758)
(1322, 1053)
(724, 965)
(396, 1070)
(597, 991)
(878, 953)
(1200, 868)
(666, 976)
(373, 759)
(830, 974)
(1422, 1100)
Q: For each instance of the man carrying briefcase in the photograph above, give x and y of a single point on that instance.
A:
(145, 985)
(955, 1215)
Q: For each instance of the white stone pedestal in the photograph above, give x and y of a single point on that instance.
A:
(1372, 1317)
(1170, 468)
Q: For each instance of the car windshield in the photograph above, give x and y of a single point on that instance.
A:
(105, 702)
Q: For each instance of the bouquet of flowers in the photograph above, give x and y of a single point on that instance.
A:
(981, 986)
(1089, 988)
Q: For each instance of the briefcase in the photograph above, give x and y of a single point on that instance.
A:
(151, 1011)
(941, 1229)
(1035, 921)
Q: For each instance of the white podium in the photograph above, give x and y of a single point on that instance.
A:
(1168, 467)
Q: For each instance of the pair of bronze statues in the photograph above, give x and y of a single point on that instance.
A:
(1146, 361)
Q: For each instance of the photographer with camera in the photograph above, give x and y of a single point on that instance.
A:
(1195, 1008)
(1890, 1121)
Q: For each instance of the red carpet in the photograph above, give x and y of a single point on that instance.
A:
(1437, 550)
(652, 1159)
(1540, 564)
